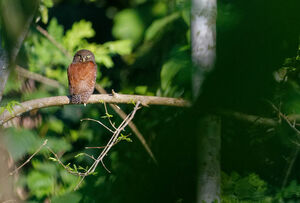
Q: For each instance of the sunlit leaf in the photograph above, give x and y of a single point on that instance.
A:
(128, 25)
(40, 184)
(80, 30)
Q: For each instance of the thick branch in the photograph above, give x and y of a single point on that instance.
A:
(37, 77)
(96, 98)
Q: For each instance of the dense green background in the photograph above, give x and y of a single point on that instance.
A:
(143, 47)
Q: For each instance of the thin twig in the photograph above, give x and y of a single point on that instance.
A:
(63, 165)
(28, 160)
(290, 166)
(285, 118)
(90, 156)
(293, 126)
(90, 119)
(110, 144)
(105, 166)
(53, 41)
(108, 116)
(133, 127)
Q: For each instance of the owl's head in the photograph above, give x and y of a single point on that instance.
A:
(83, 55)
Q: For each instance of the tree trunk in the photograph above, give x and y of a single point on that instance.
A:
(209, 141)
(203, 39)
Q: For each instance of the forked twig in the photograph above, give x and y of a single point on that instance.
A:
(110, 144)
(90, 119)
(108, 116)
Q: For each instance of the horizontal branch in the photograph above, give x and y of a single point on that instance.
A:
(258, 120)
(96, 98)
(37, 77)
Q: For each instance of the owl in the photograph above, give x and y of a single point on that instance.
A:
(82, 76)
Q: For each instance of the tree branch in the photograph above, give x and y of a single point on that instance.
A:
(96, 98)
(257, 120)
(37, 77)
(53, 41)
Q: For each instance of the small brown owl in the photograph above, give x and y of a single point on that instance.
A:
(82, 76)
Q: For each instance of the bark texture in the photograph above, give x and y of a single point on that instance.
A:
(209, 159)
(203, 36)
(203, 39)
(94, 99)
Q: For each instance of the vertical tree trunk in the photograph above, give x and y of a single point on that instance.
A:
(209, 144)
(203, 39)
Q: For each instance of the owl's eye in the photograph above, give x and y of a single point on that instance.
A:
(88, 56)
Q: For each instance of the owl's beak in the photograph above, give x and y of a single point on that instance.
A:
(83, 59)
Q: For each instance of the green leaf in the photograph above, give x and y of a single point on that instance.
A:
(73, 197)
(158, 26)
(40, 184)
(78, 155)
(160, 8)
(20, 142)
(47, 3)
(45, 167)
(44, 13)
(75, 168)
(58, 144)
(124, 137)
(186, 14)
(141, 90)
(55, 30)
(105, 60)
(168, 71)
(74, 37)
(128, 25)
(53, 159)
(56, 125)
(121, 47)
(9, 106)
(107, 115)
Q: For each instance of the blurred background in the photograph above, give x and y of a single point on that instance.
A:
(143, 47)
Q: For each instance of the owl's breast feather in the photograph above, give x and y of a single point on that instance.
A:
(82, 76)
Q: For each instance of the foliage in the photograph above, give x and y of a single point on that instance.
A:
(143, 47)
(250, 187)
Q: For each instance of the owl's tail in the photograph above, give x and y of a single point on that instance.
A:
(75, 99)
